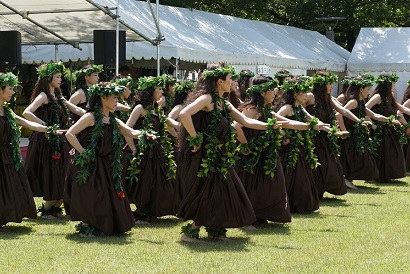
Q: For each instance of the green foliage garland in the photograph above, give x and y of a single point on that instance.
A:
(167, 145)
(218, 72)
(89, 70)
(8, 79)
(15, 135)
(48, 70)
(86, 159)
(324, 79)
(270, 85)
(334, 144)
(187, 230)
(213, 146)
(387, 79)
(197, 140)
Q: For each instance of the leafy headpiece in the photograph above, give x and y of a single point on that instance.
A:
(218, 72)
(235, 76)
(270, 85)
(367, 76)
(246, 73)
(283, 74)
(105, 90)
(125, 81)
(145, 83)
(300, 85)
(185, 86)
(8, 79)
(47, 70)
(346, 80)
(328, 78)
(361, 82)
(408, 82)
(165, 80)
(387, 79)
(89, 70)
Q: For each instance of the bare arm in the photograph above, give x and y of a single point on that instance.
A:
(74, 109)
(30, 125)
(38, 102)
(137, 112)
(345, 112)
(85, 121)
(186, 114)
(78, 97)
(174, 113)
(122, 107)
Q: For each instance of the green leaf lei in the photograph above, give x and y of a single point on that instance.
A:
(86, 159)
(47, 70)
(361, 135)
(324, 79)
(334, 145)
(15, 135)
(387, 79)
(144, 143)
(122, 115)
(197, 140)
(302, 139)
(213, 146)
(218, 72)
(270, 85)
(89, 71)
(8, 79)
(269, 142)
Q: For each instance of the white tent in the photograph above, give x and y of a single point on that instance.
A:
(190, 35)
(379, 50)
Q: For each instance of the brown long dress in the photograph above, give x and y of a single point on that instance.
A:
(153, 194)
(211, 201)
(267, 195)
(96, 202)
(16, 198)
(45, 174)
(329, 175)
(356, 166)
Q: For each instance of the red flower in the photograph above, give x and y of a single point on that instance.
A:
(120, 194)
(56, 156)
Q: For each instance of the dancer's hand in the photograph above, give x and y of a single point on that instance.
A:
(196, 148)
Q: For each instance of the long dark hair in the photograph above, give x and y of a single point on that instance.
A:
(406, 95)
(244, 84)
(352, 93)
(255, 100)
(386, 95)
(322, 98)
(144, 97)
(42, 85)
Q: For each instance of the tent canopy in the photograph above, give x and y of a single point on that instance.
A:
(379, 50)
(190, 35)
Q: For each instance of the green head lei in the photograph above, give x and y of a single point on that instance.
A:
(89, 71)
(235, 76)
(328, 78)
(185, 86)
(346, 81)
(145, 83)
(408, 82)
(246, 73)
(282, 74)
(387, 79)
(270, 85)
(126, 81)
(367, 76)
(8, 79)
(302, 85)
(218, 72)
(47, 70)
(361, 82)
(165, 80)
(106, 90)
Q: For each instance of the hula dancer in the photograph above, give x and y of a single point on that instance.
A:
(126, 82)
(389, 152)
(16, 198)
(96, 196)
(212, 194)
(149, 174)
(46, 159)
(85, 77)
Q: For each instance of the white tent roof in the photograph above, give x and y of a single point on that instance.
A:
(190, 35)
(381, 49)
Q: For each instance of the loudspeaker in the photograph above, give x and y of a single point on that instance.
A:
(10, 47)
(104, 47)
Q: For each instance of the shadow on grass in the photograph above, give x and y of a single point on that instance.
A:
(123, 239)
(332, 201)
(269, 228)
(235, 244)
(366, 190)
(39, 220)
(394, 182)
(13, 232)
(312, 215)
(163, 222)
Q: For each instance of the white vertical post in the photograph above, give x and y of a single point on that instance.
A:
(159, 40)
(56, 52)
(117, 41)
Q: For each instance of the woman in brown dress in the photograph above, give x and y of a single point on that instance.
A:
(212, 193)
(96, 196)
(16, 198)
(47, 158)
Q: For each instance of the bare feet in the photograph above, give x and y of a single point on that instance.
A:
(349, 184)
(188, 239)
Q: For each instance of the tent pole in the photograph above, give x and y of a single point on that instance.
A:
(117, 40)
(56, 52)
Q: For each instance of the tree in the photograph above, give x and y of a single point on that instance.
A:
(304, 14)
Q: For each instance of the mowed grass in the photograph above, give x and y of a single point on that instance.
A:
(365, 231)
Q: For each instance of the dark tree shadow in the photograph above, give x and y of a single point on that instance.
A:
(13, 232)
(122, 239)
(235, 244)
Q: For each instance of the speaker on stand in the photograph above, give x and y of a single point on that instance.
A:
(10, 48)
(104, 50)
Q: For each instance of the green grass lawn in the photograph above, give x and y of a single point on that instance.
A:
(365, 231)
